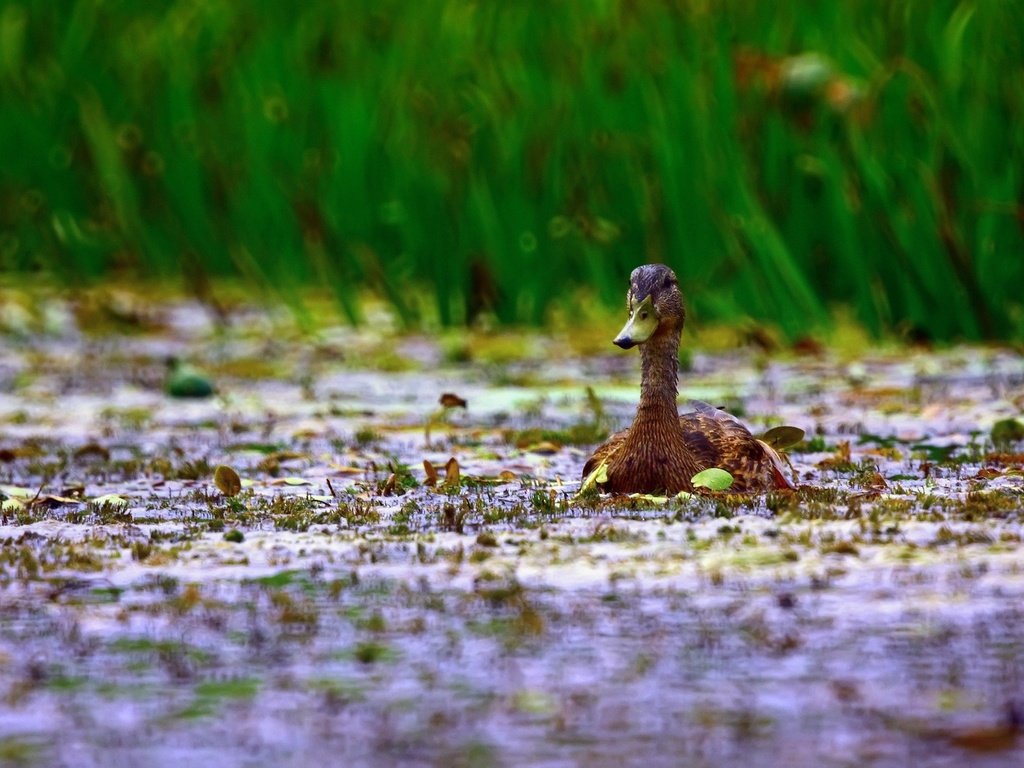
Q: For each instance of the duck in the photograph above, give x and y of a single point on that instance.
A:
(662, 449)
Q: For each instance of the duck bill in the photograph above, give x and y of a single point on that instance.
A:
(625, 338)
(638, 329)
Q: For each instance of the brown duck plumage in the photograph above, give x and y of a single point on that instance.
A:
(662, 450)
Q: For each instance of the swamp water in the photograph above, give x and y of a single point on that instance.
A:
(339, 610)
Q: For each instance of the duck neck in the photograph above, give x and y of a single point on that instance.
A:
(659, 361)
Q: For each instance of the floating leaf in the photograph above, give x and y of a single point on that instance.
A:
(451, 472)
(183, 380)
(52, 500)
(254, 445)
(110, 500)
(291, 481)
(783, 437)
(597, 477)
(649, 498)
(431, 473)
(545, 448)
(227, 480)
(93, 451)
(451, 400)
(713, 478)
(11, 506)
(346, 470)
(16, 491)
(75, 490)
(273, 460)
(1006, 431)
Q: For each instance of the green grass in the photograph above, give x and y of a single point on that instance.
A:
(511, 158)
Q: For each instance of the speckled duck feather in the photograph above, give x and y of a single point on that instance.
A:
(660, 459)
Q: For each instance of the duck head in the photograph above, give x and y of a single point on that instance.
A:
(655, 305)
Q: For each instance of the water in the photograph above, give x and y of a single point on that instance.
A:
(872, 619)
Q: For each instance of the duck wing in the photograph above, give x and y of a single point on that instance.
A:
(718, 439)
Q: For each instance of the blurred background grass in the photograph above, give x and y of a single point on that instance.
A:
(507, 159)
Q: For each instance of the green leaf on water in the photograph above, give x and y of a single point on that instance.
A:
(598, 476)
(649, 498)
(291, 481)
(16, 491)
(184, 380)
(110, 500)
(713, 478)
(11, 506)
(1007, 431)
(235, 536)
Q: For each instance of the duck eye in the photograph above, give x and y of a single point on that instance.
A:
(643, 315)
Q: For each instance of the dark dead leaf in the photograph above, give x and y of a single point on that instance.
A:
(451, 472)
(808, 345)
(1006, 459)
(451, 400)
(52, 500)
(987, 473)
(995, 739)
(347, 470)
(431, 473)
(93, 451)
(840, 460)
(874, 481)
(272, 462)
(75, 491)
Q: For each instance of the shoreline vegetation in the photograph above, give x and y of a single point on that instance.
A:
(785, 160)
